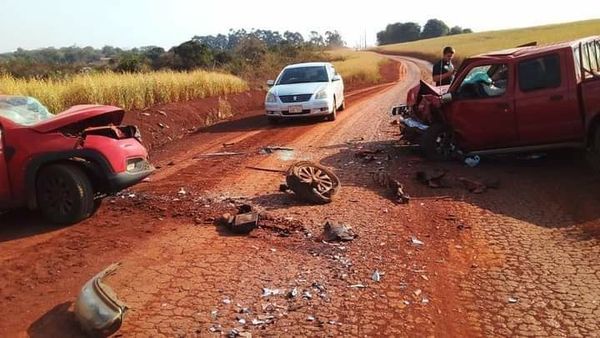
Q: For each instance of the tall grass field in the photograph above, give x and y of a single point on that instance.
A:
(467, 45)
(357, 66)
(129, 91)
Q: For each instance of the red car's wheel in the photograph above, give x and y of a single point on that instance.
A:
(64, 194)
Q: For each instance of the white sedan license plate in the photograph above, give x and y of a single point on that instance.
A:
(295, 109)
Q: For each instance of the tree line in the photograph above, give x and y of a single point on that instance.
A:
(411, 31)
(235, 52)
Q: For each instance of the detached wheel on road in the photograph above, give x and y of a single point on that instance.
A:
(437, 142)
(333, 115)
(64, 194)
(312, 182)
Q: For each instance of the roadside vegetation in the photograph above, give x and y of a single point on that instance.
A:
(126, 90)
(476, 43)
(204, 66)
(358, 66)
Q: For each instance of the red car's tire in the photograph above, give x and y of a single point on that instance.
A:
(64, 194)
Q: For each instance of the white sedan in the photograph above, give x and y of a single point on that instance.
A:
(305, 89)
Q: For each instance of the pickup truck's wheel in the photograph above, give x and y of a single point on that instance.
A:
(64, 194)
(437, 142)
(594, 150)
(332, 116)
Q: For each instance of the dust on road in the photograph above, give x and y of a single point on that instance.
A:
(519, 260)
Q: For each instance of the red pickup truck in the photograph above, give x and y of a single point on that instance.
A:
(518, 100)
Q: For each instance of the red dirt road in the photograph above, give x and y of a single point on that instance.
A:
(533, 241)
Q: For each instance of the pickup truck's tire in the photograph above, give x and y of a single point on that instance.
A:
(64, 194)
(436, 143)
(593, 154)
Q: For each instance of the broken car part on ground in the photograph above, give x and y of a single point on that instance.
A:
(312, 182)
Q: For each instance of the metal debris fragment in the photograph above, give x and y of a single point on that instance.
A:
(415, 241)
(376, 276)
(272, 292)
(512, 300)
(97, 307)
(338, 232)
(357, 286)
(384, 180)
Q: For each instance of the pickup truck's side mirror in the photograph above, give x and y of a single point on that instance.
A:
(446, 97)
(270, 83)
(336, 78)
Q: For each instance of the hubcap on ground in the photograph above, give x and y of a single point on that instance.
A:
(316, 178)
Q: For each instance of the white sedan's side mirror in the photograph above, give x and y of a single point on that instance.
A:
(336, 78)
(270, 83)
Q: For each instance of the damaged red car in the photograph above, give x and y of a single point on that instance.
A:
(518, 100)
(64, 164)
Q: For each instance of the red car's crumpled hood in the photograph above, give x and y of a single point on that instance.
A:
(79, 115)
(427, 89)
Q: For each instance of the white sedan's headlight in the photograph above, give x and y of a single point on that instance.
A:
(320, 95)
(271, 98)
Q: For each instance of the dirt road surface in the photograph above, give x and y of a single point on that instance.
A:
(520, 260)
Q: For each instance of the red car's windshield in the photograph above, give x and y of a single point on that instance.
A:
(23, 110)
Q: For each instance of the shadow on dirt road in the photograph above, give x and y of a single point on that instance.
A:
(556, 191)
(23, 223)
(58, 322)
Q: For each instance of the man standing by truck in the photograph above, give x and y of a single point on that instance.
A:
(443, 70)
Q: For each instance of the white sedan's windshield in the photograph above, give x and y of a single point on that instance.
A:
(23, 110)
(303, 75)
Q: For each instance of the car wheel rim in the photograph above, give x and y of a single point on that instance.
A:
(56, 195)
(317, 178)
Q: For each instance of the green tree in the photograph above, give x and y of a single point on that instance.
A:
(434, 28)
(192, 54)
(334, 39)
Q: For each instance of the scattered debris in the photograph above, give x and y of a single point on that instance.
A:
(356, 139)
(228, 144)
(162, 125)
(416, 242)
(145, 114)
(433, 179)
(97, 308)
(395, 122)
(478, 187)
(376, 276)
(472, 161)
(338, 232)
(215, 328)
(272, 149)
(162, 113)
(226, 301)
(306, 295)
(418, 292)
(312, 182)
(266, 169)
(222, 153)
(358, 286)
(182, 191)
(384, 180)
(310, 318)
(512, 300)
(292, 293)
(272, 292)
(245, 221)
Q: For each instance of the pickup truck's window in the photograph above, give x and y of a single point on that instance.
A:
(577, 58)
(484, 81)
(539, 73)
(590, 59)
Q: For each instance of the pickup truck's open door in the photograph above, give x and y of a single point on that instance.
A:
(4, 183)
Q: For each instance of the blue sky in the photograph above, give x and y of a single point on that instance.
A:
(34, 24)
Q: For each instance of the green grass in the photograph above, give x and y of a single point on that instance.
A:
(357, 66)
(467, 45)
(129, 91)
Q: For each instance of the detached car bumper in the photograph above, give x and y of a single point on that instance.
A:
(309, 108)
